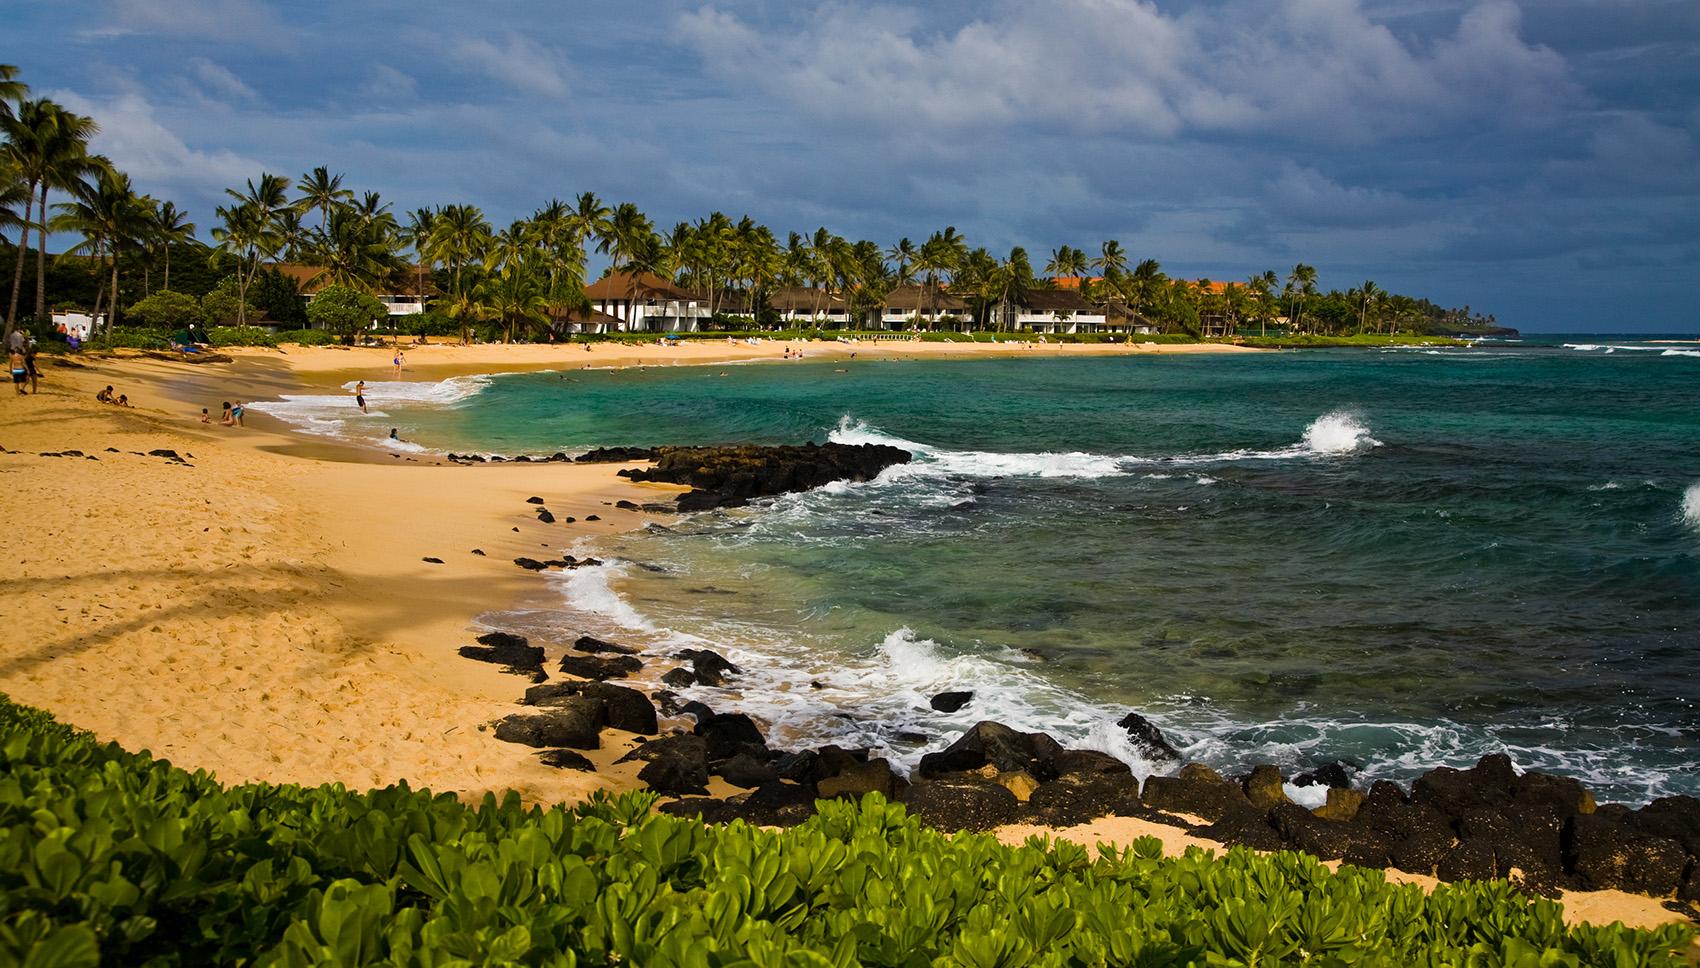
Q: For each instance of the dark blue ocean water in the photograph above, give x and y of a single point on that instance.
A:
(1397, 558)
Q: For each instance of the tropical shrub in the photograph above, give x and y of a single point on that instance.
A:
(306, 337)
(278, 298)
(164, 309)
(109, 856)
(240, 336)
(131, 337)
(223, 302)
(344, 310)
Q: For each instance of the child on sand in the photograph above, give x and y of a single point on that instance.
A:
(236, 413)
(104, 396)
(225, 419)
(20, 371)
(400, 358)
(205, 417)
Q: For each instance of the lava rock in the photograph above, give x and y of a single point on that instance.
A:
(1265, 787)
(626, 505)
(711, 667)
(432, 561)
(746, 770)
(998, 746)
(511, 652)
(778, 804)
(1196, 790)
(798, 767)
(679, 678)
(729, 734)
(1472, 859)
(617, 455)
(961, 804)
(534, 500)
(587, 644)
(576, 724)
(706, 809)
(731, 476)
(675, 765)
(1674, 818)
(567, 760)
(1148, 738)
(599, 667)
(1245, 827)
(949, 702)
(1606, 854)
(544, 516)
(1303, 830)
(1342, 805)
(856, 780)
(1334, 774)
(1077, 798)
(1089, 762)
(1487, 784)
(627, 709)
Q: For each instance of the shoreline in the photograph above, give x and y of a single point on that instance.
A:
(350, 631)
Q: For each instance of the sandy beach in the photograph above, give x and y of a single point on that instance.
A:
(260, 606)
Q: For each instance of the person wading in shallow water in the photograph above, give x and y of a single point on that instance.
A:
(360, 395)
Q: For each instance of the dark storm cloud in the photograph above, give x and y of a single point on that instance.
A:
(1538, 160)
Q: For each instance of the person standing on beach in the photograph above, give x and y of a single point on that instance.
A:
(236, 413)
(360, 395)
(400, 359)
(30, 350)
(20, 370)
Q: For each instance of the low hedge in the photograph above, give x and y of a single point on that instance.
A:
(131, 337)
(307, 337)
(220, 336)
(109, 856)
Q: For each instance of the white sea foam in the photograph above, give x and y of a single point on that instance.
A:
(1333, 434)
(337, 414)
(1691, 506)
(1680, 353)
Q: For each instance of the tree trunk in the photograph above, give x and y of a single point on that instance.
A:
(41, 258)
(167, 266)
(18, 273)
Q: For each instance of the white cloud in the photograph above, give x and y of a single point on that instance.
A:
(219, 81)
(1315, 69)
(151, 153)
(248, 20)
(389, 84)
(519, 61)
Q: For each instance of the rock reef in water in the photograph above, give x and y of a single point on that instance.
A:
(732, 476)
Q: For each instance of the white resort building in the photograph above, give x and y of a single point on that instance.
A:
(644, 302)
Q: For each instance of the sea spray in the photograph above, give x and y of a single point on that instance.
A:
(1691, 506)
(1338, 433)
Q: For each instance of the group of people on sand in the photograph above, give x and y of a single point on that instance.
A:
(106, 396)
(231, 417)
(20, 354)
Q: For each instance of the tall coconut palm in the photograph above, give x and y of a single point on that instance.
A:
(251, 232)
(459, 236)
(11, 89)
(903, 254)
(171, 226)
(323, 191)
(1066, 262)
(628, 238)
(111, 218)
(1111, 259)
(1301, 284)
(1368, 296)
(589, 218)
(48, 148)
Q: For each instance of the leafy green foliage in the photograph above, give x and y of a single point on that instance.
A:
(132, 337)
(306, 337)
(240, 336)
(278, 298)
(108, 856)
(344, 310)
(223, 301)
(165, 309)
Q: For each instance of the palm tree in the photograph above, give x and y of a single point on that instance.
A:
(251, 231)
(171, 226)
(589, 219)
(628, 239)
(1066, 262)
(1111, 260)
(1369, 294)
(1301, 284)
(48, 147)
(11, 89)
(459, 236)
(323, 191)
(903, 253)
(111, 217)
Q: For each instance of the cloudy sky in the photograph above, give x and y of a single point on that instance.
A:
(1538, 159)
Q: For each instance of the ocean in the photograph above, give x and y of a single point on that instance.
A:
(1393, 558)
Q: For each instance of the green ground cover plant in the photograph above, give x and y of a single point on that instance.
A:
(113, 857)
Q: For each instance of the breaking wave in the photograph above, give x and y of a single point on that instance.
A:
(337, 415)
(1691, 506)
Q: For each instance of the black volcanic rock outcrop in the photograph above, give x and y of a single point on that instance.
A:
(731, 476)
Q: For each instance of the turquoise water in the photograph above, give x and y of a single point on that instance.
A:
(1399, 558)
